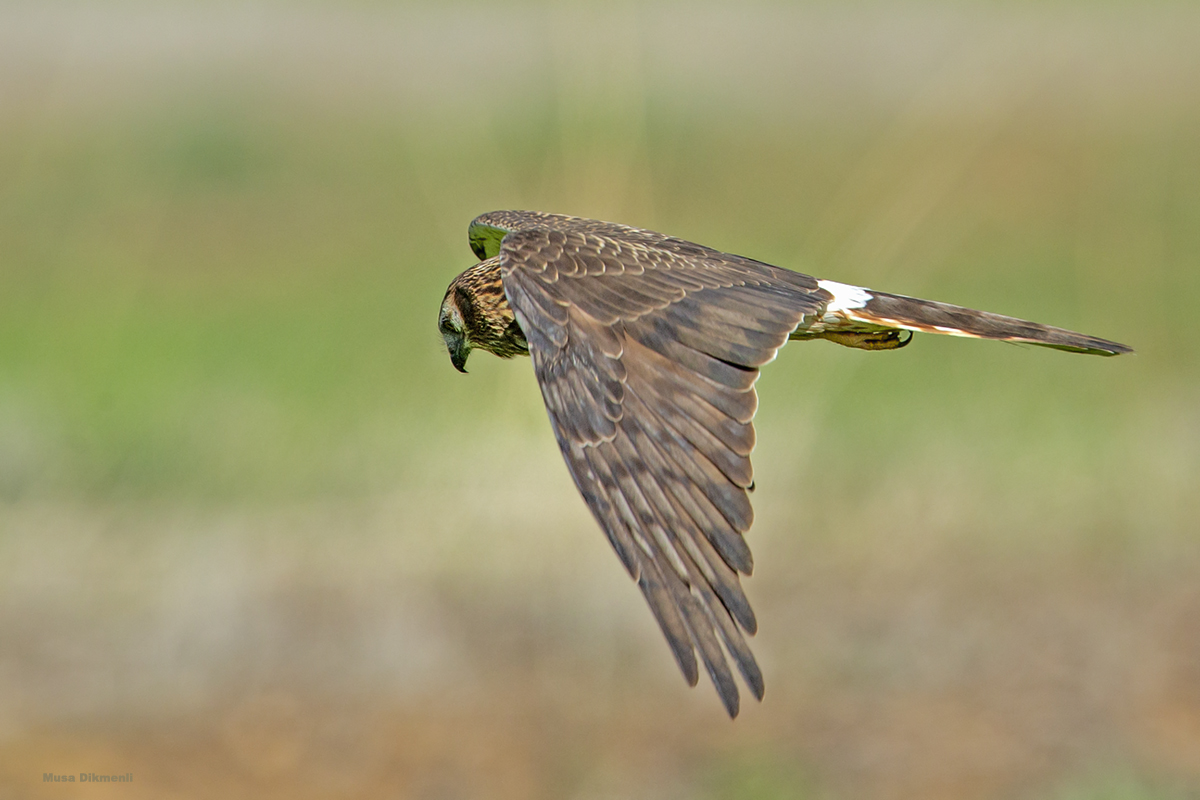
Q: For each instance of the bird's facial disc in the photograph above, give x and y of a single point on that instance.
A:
(454, 334)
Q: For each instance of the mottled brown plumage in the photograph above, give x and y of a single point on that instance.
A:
(475, 303)
(646, 349)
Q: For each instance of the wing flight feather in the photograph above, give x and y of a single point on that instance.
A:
(646, 350)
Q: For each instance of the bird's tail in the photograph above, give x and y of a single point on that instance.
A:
(880, 310)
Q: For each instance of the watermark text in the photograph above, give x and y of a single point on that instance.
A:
(85, 777)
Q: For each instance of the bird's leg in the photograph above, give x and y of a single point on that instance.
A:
(869, 340)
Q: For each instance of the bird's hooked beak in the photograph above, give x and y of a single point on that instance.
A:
(459, 350)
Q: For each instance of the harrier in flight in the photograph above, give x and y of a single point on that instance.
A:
(646, 349)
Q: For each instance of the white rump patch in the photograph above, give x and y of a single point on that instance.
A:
(845, 296)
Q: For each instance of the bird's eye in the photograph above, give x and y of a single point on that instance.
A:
(445, 325)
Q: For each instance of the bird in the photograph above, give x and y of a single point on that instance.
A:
(646, 348)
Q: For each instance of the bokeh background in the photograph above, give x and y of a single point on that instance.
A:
(259, 539)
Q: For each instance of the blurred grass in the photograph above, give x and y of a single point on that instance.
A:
(211, 298)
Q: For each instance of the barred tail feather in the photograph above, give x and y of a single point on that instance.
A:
(883, 310)
(927, 316)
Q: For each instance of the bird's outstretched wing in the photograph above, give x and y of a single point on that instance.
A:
(646, 349)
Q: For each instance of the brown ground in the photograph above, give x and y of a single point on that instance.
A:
(960, 676)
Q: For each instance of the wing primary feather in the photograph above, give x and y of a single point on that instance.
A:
(701, 416)
(734, 408)
(719, 455)
(684, 529)
(697, 621)
(670, 621)
(734, 642)
(641, 514)
(724, 484)
(636, 508)
(684, 484)
(598, 503)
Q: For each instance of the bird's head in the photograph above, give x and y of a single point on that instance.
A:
(475, 314)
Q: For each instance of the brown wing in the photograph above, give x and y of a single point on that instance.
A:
(646, 349)
(488, 230)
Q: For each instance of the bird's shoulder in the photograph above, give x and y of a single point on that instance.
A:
(488, 232)
(556, 245)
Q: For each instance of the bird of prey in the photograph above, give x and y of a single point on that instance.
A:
(646, 349)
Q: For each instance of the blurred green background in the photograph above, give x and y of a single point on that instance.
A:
(258, 538)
